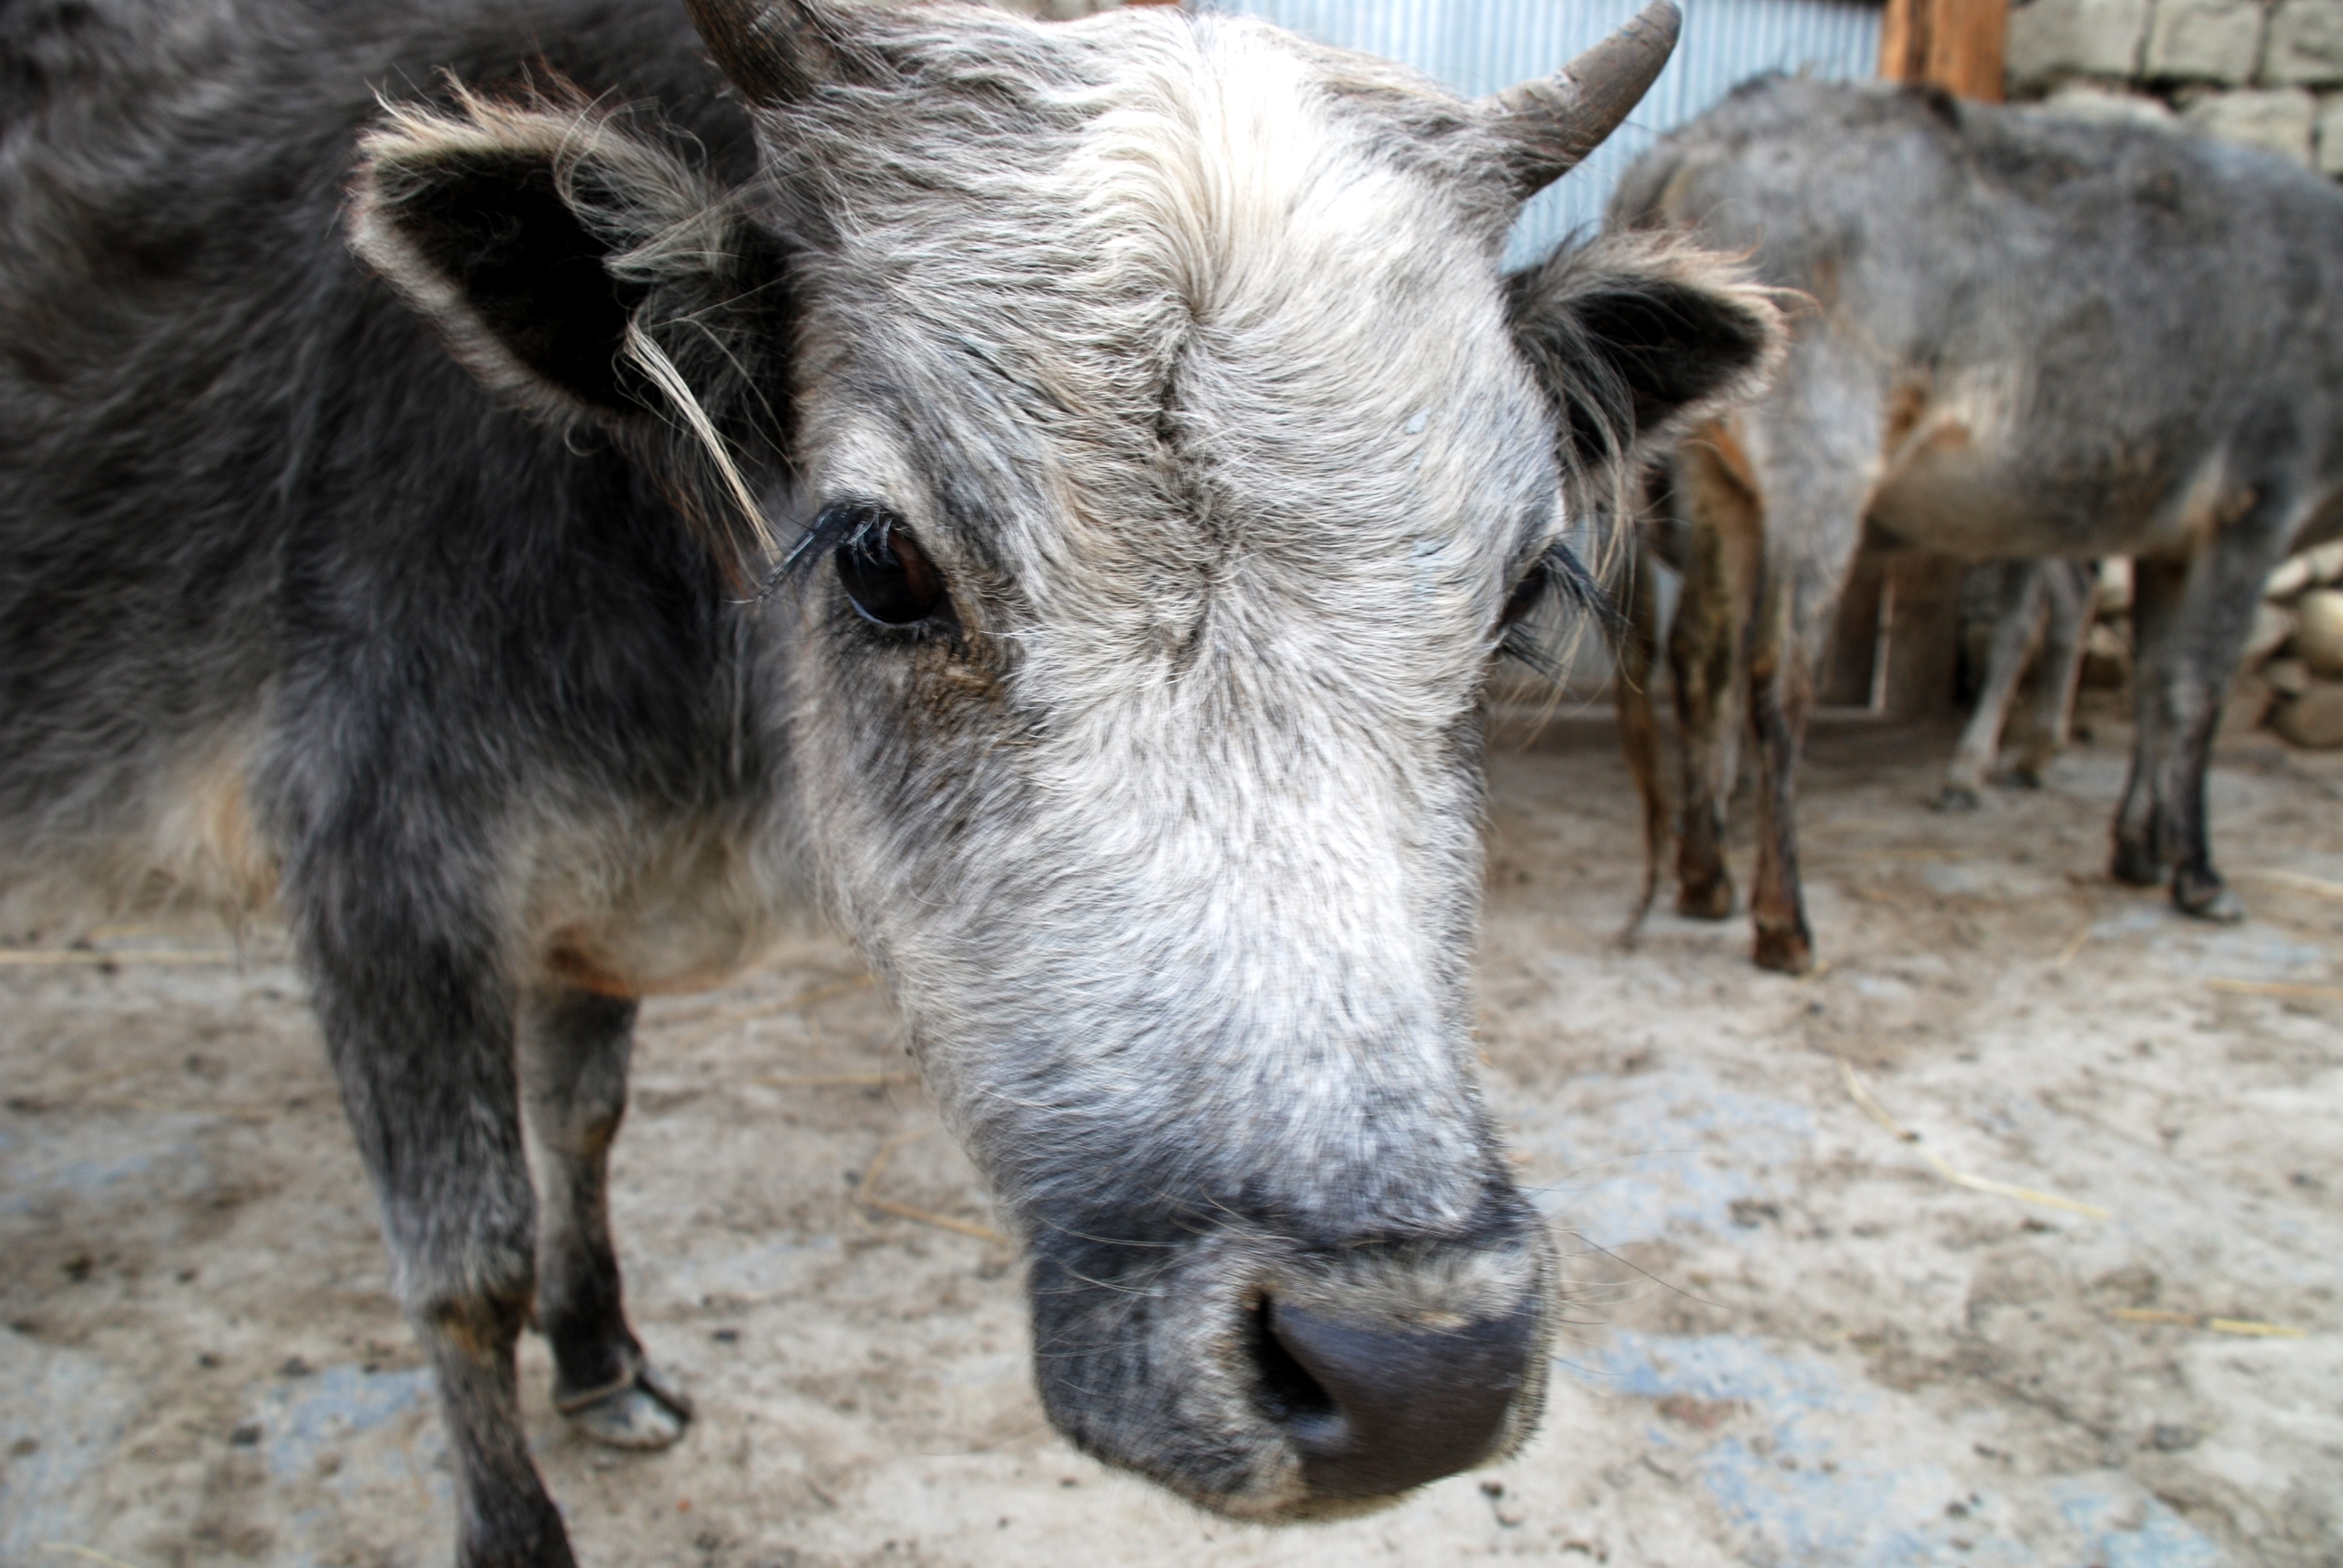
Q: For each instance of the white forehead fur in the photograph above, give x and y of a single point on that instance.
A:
(1212, 315)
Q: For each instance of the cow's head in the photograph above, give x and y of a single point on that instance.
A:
(1166, 459)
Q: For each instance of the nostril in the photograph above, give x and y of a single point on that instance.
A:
(1374, 1409)
(1289, 1395)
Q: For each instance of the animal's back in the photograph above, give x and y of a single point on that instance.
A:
(2110, 313)
(228, 456)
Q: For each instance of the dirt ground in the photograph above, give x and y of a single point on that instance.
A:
(1793, 1339)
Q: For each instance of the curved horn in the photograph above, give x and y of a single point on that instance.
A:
(1547, 126)
(775, 51)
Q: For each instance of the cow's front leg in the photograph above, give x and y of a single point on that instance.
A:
(2142, 833)
(2018, 606)
(419, 1022)
(2069, 588)
(2191, 620)
(575, 1047)
(2186, 651)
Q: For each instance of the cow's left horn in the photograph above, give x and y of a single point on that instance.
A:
(1547, 126)
(777, 51)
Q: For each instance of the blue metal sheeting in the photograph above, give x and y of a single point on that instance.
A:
(1476, 46)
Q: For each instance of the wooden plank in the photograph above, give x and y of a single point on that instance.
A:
(1894, 649)
(1956, 44)
(1924, 649)
(1844, 681)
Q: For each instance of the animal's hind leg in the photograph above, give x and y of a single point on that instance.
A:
(575, 1047)
(418, 1021)
(1705, 663)
(1639, 734)
(1806, 568)
(1781, 701)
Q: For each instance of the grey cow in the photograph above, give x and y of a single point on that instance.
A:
(1049, 496)
(2020, 336)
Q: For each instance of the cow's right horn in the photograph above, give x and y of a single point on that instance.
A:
(778, 51)
(1546, 127)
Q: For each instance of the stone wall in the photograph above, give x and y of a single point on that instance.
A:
(2266, 73)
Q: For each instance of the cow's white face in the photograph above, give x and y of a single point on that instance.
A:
(1169, 454)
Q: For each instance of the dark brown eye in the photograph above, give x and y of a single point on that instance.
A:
(886, 576)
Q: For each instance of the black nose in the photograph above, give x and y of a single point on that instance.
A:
(1374, 1409)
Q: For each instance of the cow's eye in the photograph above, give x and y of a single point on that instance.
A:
(886, 575)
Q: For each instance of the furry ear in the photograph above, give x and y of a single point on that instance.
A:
(1637, 339)
(576, 264)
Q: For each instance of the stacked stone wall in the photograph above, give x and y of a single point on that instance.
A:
(2266, 73)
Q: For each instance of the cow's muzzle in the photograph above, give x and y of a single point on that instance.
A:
(1272, 1379)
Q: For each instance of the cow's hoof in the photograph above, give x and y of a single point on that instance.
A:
(643, 1411)
(1785, 950)
(1957, 797)
(2024, 776)
(2135, 866)
(1705, 900)
(2211, 901)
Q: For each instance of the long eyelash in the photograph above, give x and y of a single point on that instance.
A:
(1522, 645)
(1568, 577)
(1563, 578)
(832, 528)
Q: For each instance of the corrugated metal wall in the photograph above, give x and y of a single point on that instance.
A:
(1476, 46)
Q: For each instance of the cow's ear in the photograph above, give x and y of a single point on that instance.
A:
(580, 267)
(1638, 338)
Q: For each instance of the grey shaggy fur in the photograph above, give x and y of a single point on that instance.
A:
(2028, 337)
(1177, 351)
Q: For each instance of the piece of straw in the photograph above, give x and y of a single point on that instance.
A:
(2075, 943)
(834, 1080)
(714, 1015)
(42, 958)
(2299, 883)
(1909, 856)
(91, 1553)
(2246, 1326)
(965, 1227)
(866, 1194)
(234, 1111)
(824, 993)
(1959, 1177)
(2278, 987)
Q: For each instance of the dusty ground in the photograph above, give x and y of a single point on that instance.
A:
(1795, 1341)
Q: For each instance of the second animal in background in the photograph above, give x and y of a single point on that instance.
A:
(2019, 336)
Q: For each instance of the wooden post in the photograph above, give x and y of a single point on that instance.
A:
(1958, 44)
